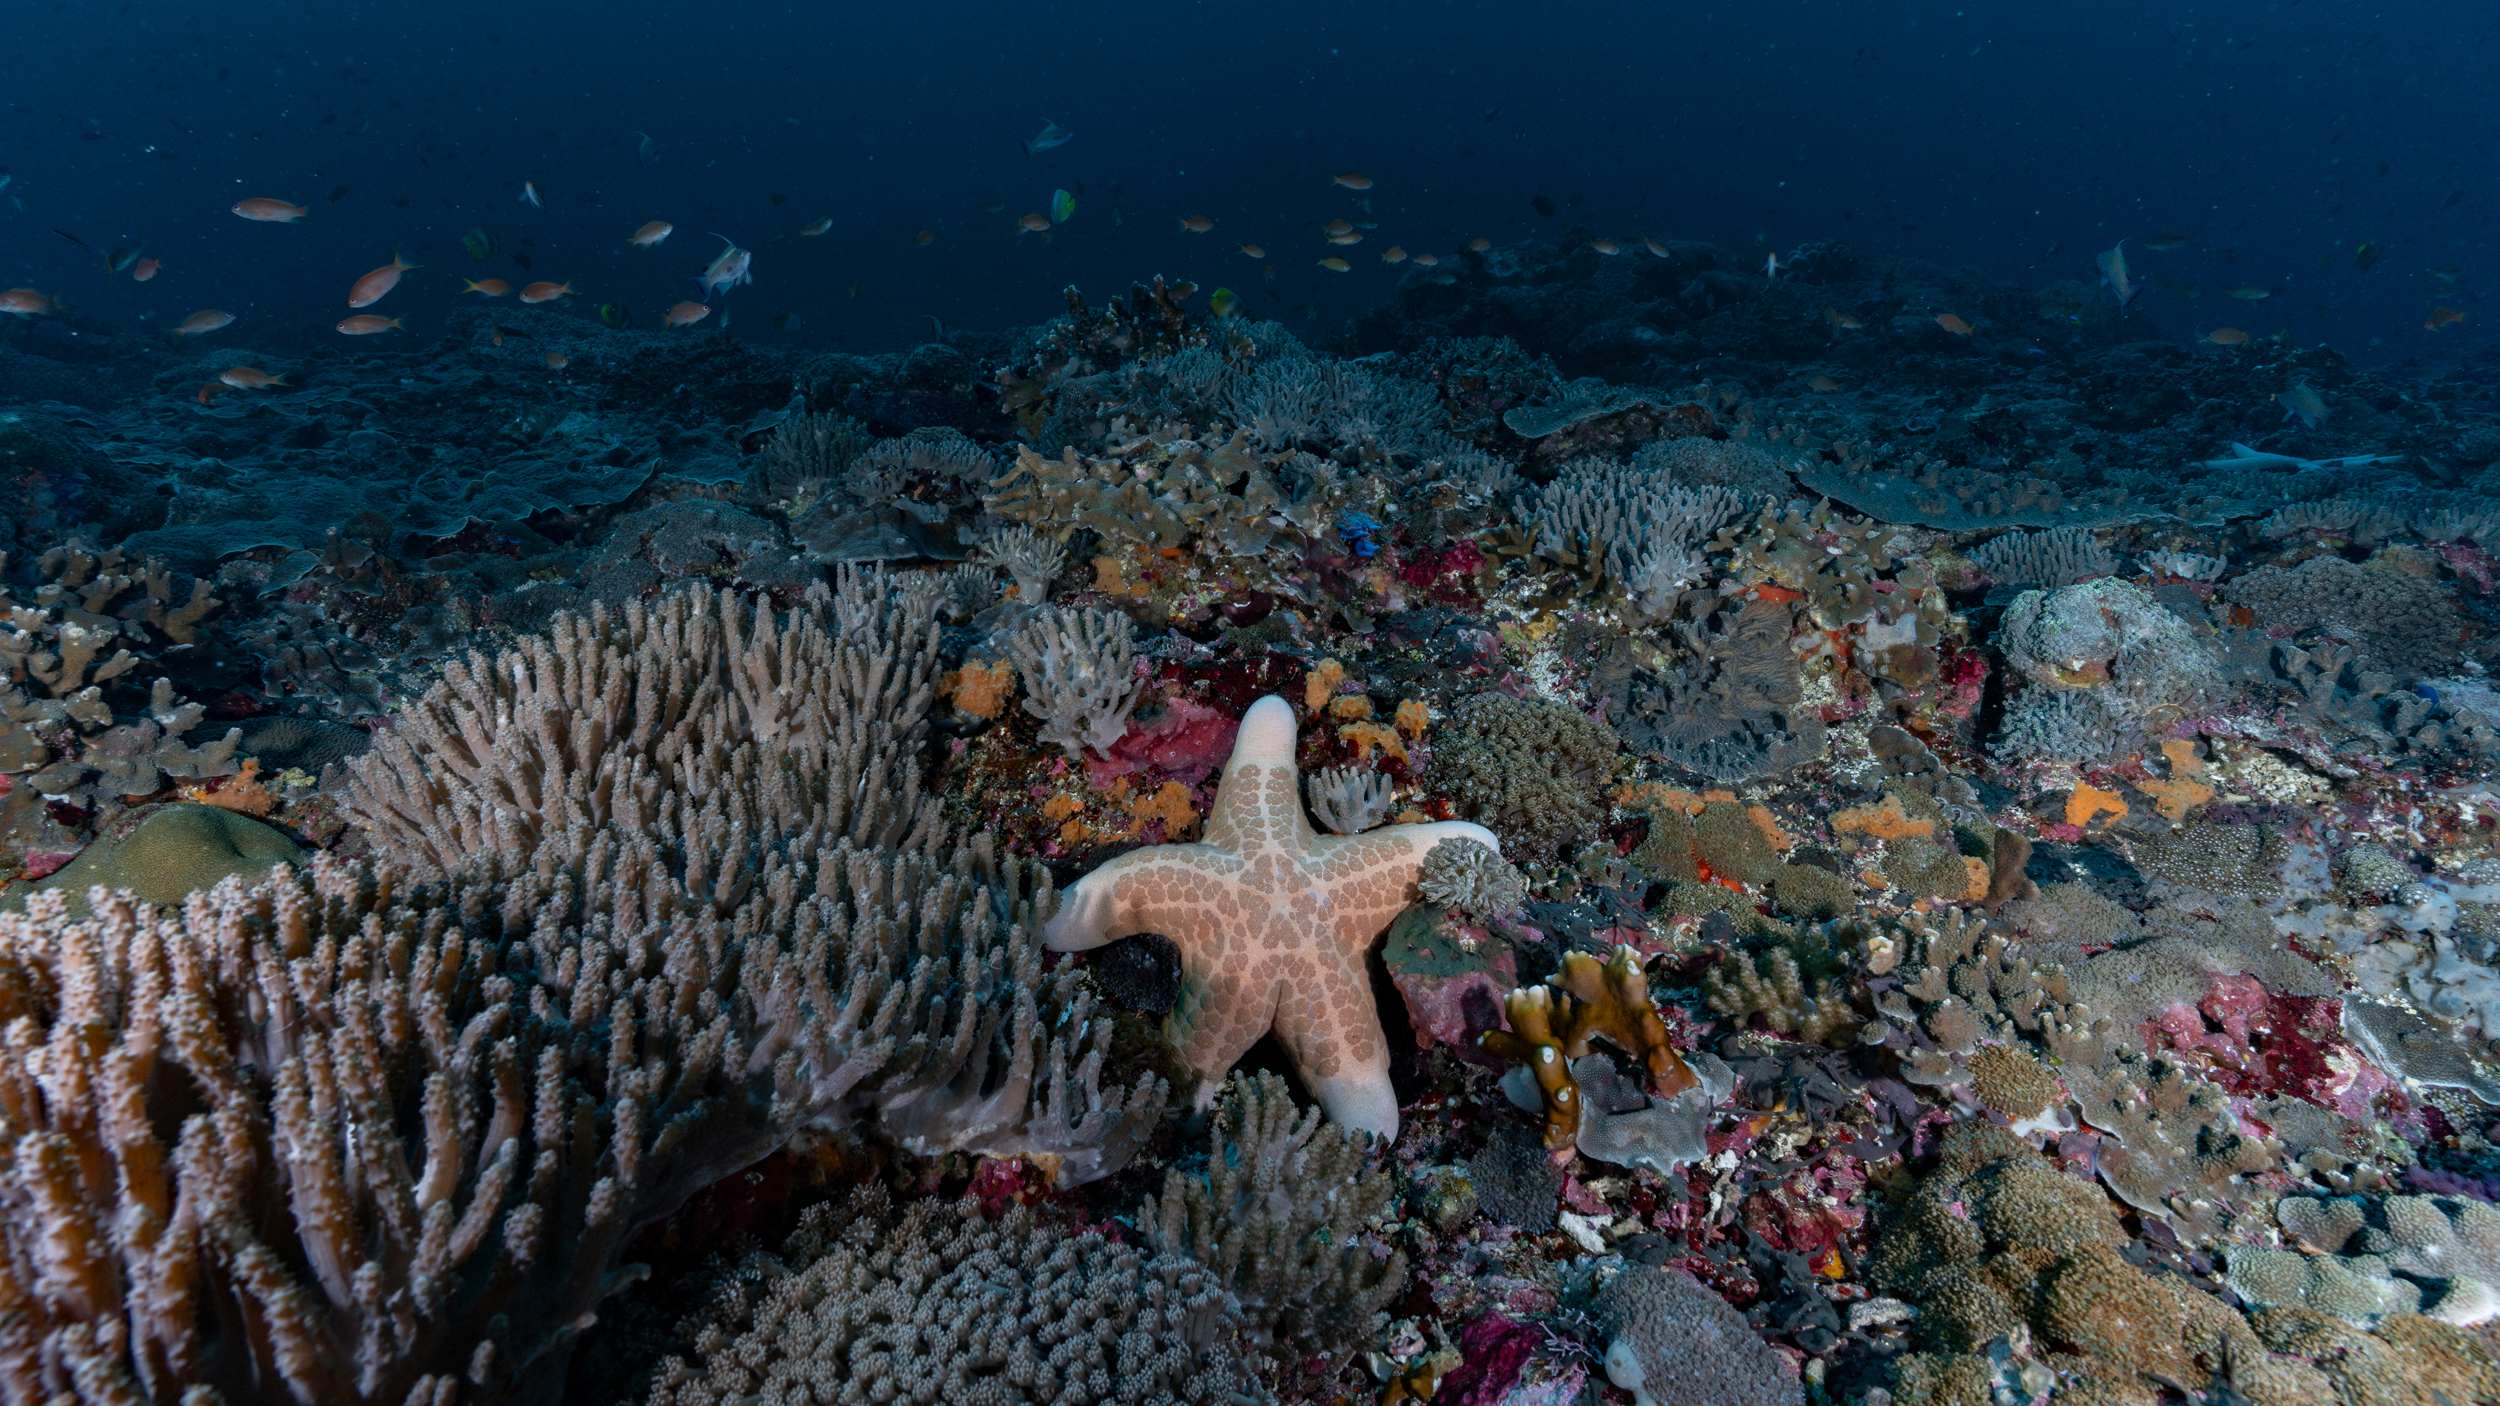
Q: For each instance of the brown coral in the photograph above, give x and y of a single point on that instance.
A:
(1551, 1025)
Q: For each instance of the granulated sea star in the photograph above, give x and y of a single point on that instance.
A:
(1272, 920)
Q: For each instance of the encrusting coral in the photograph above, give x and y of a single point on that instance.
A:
(1272, 921)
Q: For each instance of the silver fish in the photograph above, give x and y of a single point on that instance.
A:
(1051, 135)
(2303, 404)
(2113, 264)
(732, 268)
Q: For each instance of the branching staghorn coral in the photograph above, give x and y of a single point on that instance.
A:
(1279, 1216)
(1079, 676)
(805, 458)
(705, 721)
(467, 1094)
(1627, 528)
(1776, 990)
(1019, 1313)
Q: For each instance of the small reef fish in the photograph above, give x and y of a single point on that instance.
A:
(1393, 255)
(2367, 253)
(543, 292)
(1771, 266)
(557, 361)
(1254, 251)
(2303, 404)
(1654, 246)
(1224, 302)
(1349, 237)
(1479, 244)
(26, 302)
(1337, 227)
(2113, 264)
(648, 153)
(275, 212)
(1823, 385)
(1352, 180)
(365, 324)
(1335, 265)
(925, 238)
(2225, 337)
(209, 391)
(1427, 260)
(2441, 317)
(685, 314)
(1953, 324)
(204, 321)
(529, 195)
(787, 322)
(2446, 278)
(1197, 224)
(816, 227)
(2170, 243)
(369, 289)
(121, 259)
(2243, 457)
(652, 235)
(145, 269)
(733, 267)
(2250, 294)
(1033, 224)
(1051, 135)
(1062, 205)
(1841, 320)
(244, 378)
(616, 315)
(491, 287)
(1606, 246)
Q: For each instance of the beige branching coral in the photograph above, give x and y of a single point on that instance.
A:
(1280, 1215)
(1775, 989)
(1551, 1027)
(1079, 676)
(705, 722)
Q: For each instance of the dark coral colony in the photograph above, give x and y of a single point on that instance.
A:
(1625, 831)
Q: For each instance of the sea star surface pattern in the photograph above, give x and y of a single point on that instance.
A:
(1272, 920)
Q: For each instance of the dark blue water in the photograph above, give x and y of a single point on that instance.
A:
(2281, 137)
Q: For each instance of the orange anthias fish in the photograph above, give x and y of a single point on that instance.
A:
(925, 238)
(145, 269)
(205, 320)
(1427, 260)
(1335, 265)
(1349, 237)
(491, 287)
(2225, 337)
(1197, 224)
(1034, 224)
(1352, 180)
(1953, 324)
(686, 314)
(546, 292)
(1605, 246)
(1479, 244)
(557, 361)
(1336, 227)
(650, 235)
(26, 302)
(276, 212)
(209, 391)
(244, 378)
(1654, 246)
(2441, 317)
(1823, 385)
(365, 324)
(1393, 255)
(1842, 320)
(370, 288)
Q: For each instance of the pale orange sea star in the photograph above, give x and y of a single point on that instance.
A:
(1272, 920)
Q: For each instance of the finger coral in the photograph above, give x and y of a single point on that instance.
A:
(1079, 676)
(1279, 1215)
